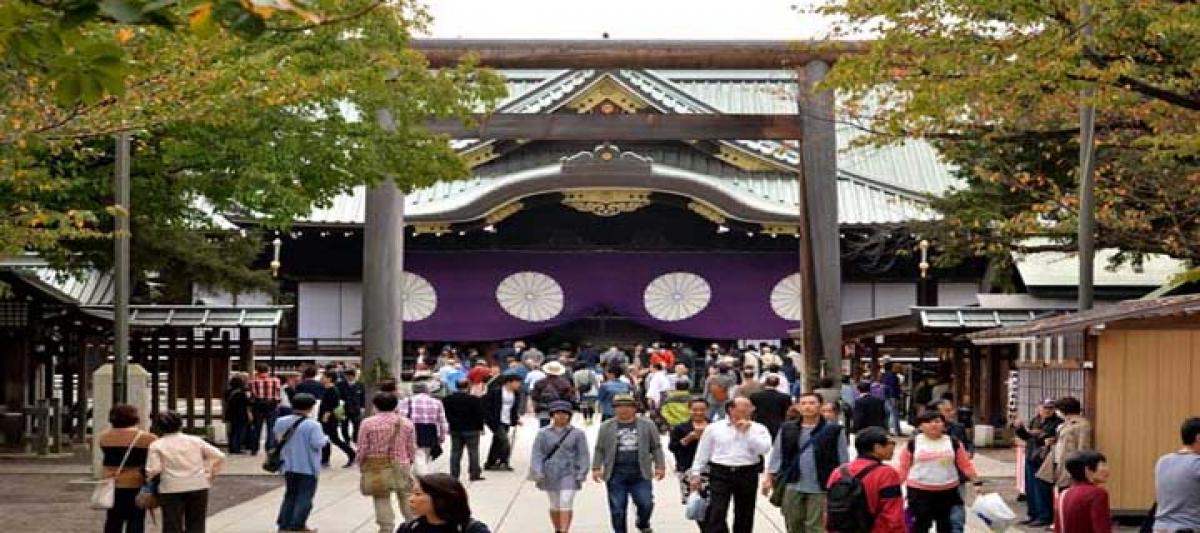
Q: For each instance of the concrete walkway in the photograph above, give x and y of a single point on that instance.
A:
(504, 500)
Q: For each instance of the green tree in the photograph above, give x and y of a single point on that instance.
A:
(267, 127)
(996, 83)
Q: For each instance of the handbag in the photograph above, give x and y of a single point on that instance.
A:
(378, 473)
(427, 434)
(274, 460)
(147, 498)
(104, 495)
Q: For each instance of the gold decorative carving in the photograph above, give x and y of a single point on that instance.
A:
(479, 155)
(432, 228)
(609, 96)
(503, 212)
(780, 229)
(706, 211)
(743, 160)
(606, 203)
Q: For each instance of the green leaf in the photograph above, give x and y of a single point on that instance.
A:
(66, 93)
(78, 15)
(158, 5)
(90, 90)
(127, 11)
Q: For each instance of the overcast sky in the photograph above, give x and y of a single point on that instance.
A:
(624, 19)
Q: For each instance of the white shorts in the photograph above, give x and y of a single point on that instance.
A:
(561, 500)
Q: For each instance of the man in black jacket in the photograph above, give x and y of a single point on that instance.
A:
(770, 405)
(354, 398)
(869, 411)
(805, 454)
(502, 410)
(464, 413)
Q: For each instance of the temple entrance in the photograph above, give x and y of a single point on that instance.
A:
(607, 329)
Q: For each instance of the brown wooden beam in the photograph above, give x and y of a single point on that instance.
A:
(659, 54)
(643, 127)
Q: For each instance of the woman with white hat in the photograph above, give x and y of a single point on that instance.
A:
(560, 463)
(555, 387)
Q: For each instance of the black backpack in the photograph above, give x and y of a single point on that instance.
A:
(846, 507)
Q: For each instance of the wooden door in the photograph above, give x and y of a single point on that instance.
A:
(1146, 386)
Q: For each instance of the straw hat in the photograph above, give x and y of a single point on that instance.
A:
(554, 368)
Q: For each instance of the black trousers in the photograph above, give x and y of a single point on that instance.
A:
(331, 431)
(932, 507)
(350, 425)
(501, 448)
(125, 516)
(184, 512)
(736, 484)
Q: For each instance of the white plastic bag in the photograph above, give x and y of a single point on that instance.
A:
(989, 513)
(697, 506)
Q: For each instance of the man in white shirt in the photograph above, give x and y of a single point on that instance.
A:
(658, 384)
(730, 452)
(502, 407)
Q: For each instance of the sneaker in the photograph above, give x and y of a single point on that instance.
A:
(645, 530)
(505, 467)
(477, 478)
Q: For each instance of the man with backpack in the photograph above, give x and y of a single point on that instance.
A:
(554, 387)
(864, 495)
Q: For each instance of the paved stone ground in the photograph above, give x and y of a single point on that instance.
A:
(505, 500)
(46, 496)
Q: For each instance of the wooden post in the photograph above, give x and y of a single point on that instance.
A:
(245, 350)
(820, 264)
(383, 271)
(191, 377)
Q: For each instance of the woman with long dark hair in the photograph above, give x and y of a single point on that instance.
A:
(440, 503)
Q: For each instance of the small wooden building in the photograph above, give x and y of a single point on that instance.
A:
(1134, 365)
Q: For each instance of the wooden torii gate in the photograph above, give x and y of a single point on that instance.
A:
(813, 127)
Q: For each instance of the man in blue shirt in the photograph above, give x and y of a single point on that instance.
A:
(301, 456)
(891, 393)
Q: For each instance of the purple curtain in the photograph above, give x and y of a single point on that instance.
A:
(468, 310)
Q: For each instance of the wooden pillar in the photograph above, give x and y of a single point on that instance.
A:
(987, 380)
(190, 356)
(153, 359)
(245, 350)
(383, 271)
(820, 236)
(175, 368)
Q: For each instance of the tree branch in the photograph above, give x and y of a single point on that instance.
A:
(329, 21)
(1143, 87)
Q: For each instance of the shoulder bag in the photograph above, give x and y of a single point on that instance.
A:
(104, 495)
(553, 451)
(274, 460)
(780, 487)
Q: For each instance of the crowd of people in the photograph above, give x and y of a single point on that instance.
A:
(735, 422)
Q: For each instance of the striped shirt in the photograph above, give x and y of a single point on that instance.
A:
(375, 438)
(425, 409)
(265, 387)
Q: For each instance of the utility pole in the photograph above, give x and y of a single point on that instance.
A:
(1087, 166)
(121, 234)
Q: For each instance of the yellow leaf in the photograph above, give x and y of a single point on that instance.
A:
(124, 35)
(200, 20)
